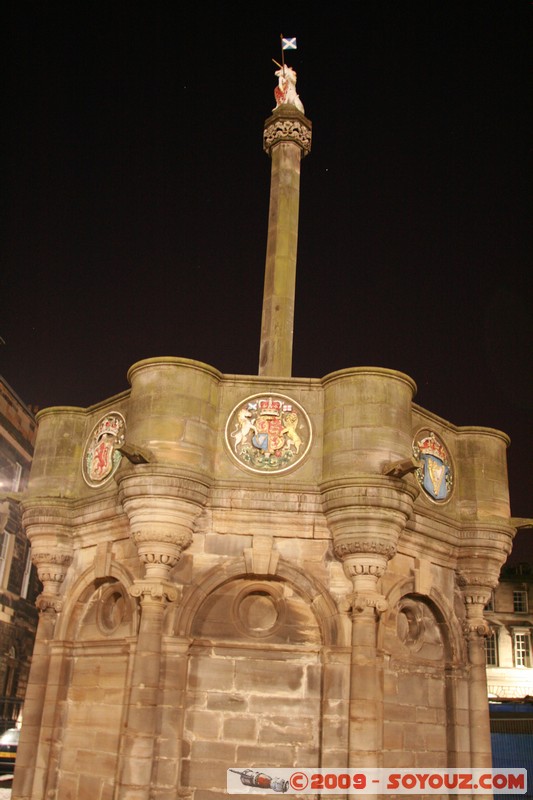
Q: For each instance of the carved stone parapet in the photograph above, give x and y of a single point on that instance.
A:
(287, 124)
(162, 506)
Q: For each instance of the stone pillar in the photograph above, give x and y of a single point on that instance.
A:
(168, 756)
(161, 506)
(138, 742)
(484, 549)
(47, 526)
(367, 426)
(287, 139)
(366, 518)
(475, 629)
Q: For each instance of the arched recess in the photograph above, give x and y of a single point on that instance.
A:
(424, 687)
(97, 629)
(181, 616)
(86, 592)
(268, 673)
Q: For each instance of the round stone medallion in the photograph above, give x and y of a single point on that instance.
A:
(101, 456)
(268, 433)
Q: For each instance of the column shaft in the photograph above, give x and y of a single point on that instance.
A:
(280, 269)
(138, 742)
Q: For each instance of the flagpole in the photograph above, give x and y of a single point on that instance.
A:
(282, 52)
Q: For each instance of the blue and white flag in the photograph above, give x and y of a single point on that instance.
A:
(288, 44)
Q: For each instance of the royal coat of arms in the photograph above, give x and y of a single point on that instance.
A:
(268, 433)
(101, 456)
(435, 473)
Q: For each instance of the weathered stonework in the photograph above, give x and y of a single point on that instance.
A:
(197, 615)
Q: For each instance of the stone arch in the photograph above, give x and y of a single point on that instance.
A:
(95, 633)
(85, 591)
(443, 610)
(259, 671)
(421, 639)
(181, 616)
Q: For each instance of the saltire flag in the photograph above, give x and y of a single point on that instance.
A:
(288, 44)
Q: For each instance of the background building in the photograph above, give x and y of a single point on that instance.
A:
(510, 668)
(19, 584)
(508, 647)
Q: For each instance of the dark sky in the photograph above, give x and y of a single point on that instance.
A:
(135, 197)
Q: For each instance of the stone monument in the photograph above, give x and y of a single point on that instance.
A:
(258, 571)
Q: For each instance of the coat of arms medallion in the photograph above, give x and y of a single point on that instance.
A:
(435, 473)
(268, 433)
(101, 456)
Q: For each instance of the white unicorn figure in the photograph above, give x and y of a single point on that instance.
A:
(285, 91)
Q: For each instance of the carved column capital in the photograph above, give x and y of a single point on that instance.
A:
(366, 517)
(48, 527)
(52, 568)
(155, 591)
(287, 124)
(162, 506)
(476, 589)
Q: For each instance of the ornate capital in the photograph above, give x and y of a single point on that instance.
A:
(47, 524)
(367, 515)
(477, 626)
(287, 125)
(162, 506)
(344, 549)
(155, 591)
(476, 587)
(360, 601)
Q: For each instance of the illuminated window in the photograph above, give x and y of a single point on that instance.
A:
(522, 649)
(519, 601)
(491, 649)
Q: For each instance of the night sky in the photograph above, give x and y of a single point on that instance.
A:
(135, 197)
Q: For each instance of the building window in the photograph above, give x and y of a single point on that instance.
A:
(519, 601)
(26, 577)
(491, 649)
(522, 649)
(17, 474)
(6, 553)
(490, 603)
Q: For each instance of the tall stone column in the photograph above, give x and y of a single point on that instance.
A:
(287, 139)
(161, 506)
(48, 529)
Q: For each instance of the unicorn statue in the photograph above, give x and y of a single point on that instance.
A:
(285, 92)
